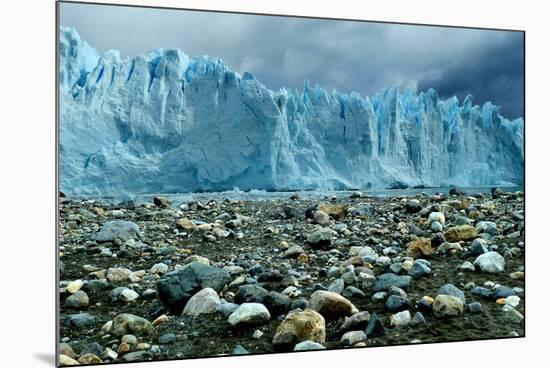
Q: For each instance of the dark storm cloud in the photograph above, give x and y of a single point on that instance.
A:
(347, 56)
(493, 74)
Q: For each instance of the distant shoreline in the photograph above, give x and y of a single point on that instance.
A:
(256, 194)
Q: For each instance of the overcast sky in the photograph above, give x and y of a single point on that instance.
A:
(345, 55)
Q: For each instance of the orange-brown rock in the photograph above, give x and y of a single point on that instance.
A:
(303, 258)
(331, 305)
(298, 326)
(186, 224)
(518, 275)
(89, 358)
(123, 348)
(98, 211)
(458, 233)
(334, 210)
(419, 248)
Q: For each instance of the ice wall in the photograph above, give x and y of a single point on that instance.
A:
(166, 122)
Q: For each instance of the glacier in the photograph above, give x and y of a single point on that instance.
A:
(165, 122)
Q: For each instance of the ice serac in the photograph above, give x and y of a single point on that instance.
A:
(166, 122)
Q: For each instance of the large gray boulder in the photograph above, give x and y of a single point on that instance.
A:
(177, 287)
(249, 314)
(321, 237)
(490, 262)
(203, 302)
(450, 289)
(387, 280)
(117, 229)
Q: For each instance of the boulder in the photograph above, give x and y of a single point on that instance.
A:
(419, 269)
(387, 280)
(67, 350)
(118, 274)
(203, 302)
(136, 356)
(400, 319)
(290, 212)
(487, 227)
(475, 307)
(308, 345)
(162, 202)
(74, 286)
(351, 292)
(436, 217)
(277, 303)
(186, 225)
(337, 286)
(479, 246)
(397, 303)
(502, 291)
(321, 217)
(419, 248)
(451, 248)
(352, 337)
(270, 276)
(117, 229)
(467, 266)
(418, 319)
(127, 323)
(331, 305)
(334, 210)
(250, 294)
(299, 326)
(447, 306)
(249, 314)
(226, 308)
(89, 359)
(358, 321)
(239, 350)
(362, 210)
(375, 328)
(128, 295)
(458, 233)
(64, 360)
(413, 206)
(293, 251)
(450, 289)
(456, 192)
(77, 300)
(490, 262)
(321, 237)
(79, 320)
(177, 287)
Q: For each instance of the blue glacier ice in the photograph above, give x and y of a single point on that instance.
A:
(167, 122)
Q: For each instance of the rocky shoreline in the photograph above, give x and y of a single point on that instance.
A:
(198, 279)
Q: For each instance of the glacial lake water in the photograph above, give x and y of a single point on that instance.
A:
(262, 195)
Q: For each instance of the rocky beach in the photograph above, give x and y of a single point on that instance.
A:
(169, 280)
